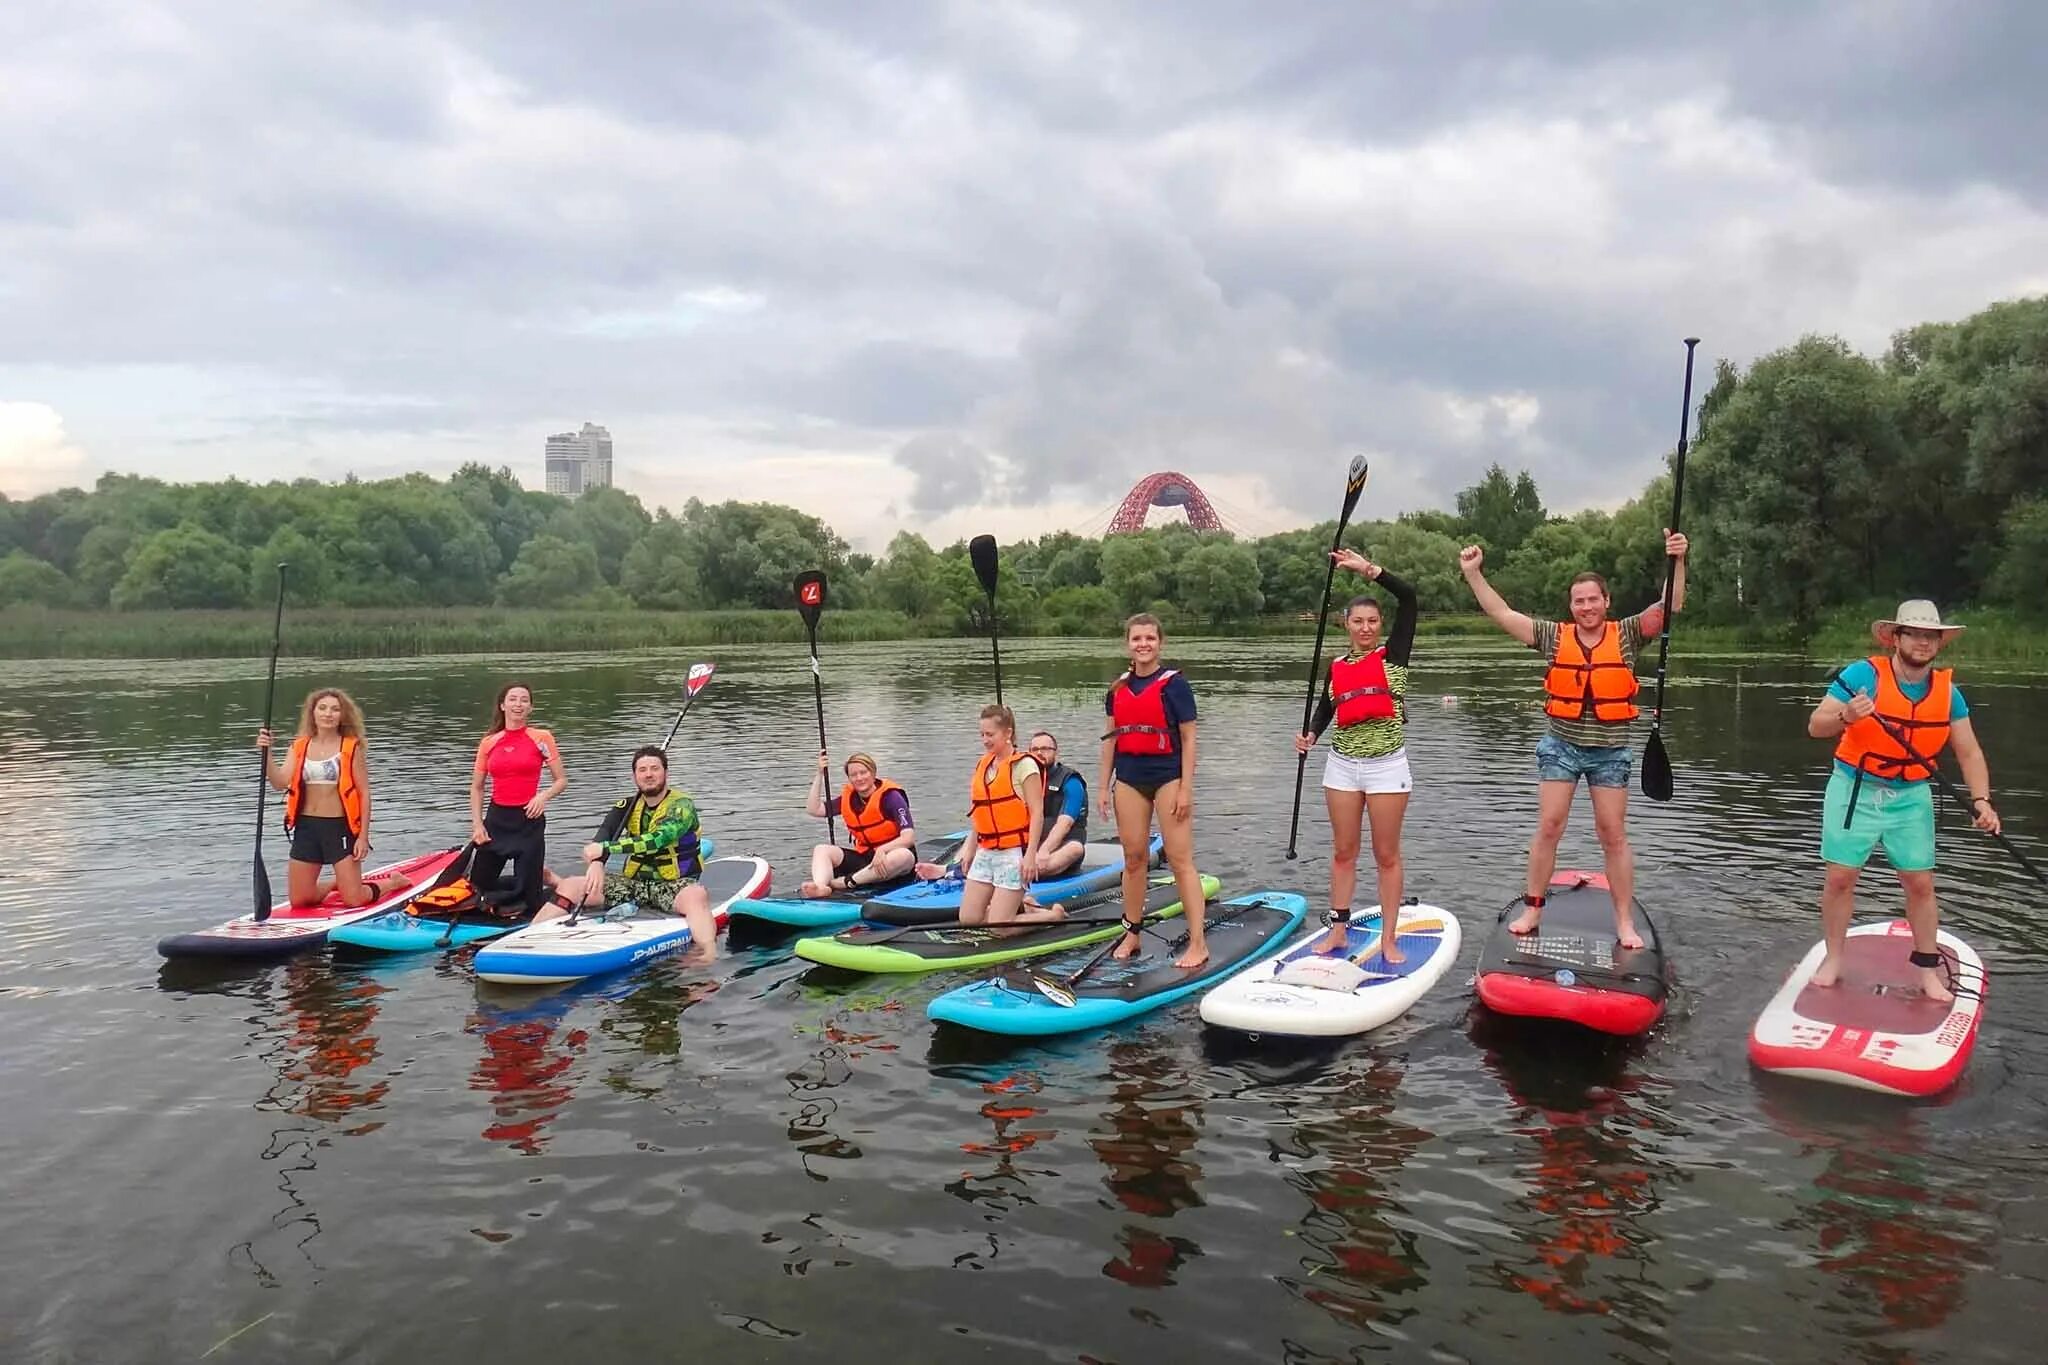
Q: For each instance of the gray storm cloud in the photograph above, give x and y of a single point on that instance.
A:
(1036, 248)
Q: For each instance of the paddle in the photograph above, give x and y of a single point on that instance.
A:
(1094, 901)
(699, 675)
(468, 865)
(982, 550)
(262, 876)
(1949, 788)
(1656, 763)
(810, 600)
(1061, 993)
(1354, 484)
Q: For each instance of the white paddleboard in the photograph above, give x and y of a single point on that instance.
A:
(1873, 1029)
(556, 950)
(1305, 994)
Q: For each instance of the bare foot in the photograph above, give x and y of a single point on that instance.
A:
(810, 891)
(1625, 933)
(1932, 986)
(1195, 956)
(1527, 921)
(1827, 974)
(1125, 948)
(1390, 953)
(1335, 941)
(700, 954)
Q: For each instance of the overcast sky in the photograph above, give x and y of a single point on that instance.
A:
(976, 265)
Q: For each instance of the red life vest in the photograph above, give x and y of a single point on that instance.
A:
(1590, 685)
(869, 825)
(1138, 720)
(1360, 689)
(1002, 817)
(351, 793)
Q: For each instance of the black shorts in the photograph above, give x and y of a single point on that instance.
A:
(852, 860)
(322, 840)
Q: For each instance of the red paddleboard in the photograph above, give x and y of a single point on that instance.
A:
(1572, 967)
(1873, 1029)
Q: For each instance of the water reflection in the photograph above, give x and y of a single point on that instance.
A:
(1886, 1217)
(1347, 1125)
(524, 1069)
(1153, 1123)
(1586, 1239)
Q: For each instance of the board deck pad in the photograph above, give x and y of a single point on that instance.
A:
(1234, 932)
(1576, 935)
(1874, 1029)
(874, 947)
(1290, 996)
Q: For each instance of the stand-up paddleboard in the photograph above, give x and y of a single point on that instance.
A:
(883, 948)
(841, 907)
(557, 950)
(410, 931)
(1241, 932)
(912, 901)
(1100, 869)
(1873, 1029)
(1306, 994)
(1572, 967)
(289, 929)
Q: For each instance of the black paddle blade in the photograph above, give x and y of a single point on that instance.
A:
(810, 596)
(1656, 768)
(1354, 485)
(982, 550)
(262, 888)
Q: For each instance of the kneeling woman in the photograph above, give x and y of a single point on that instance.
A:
(1149, 754)
(1007, 798)
(1367, 775)
(514, 828)
(325, 778)
(876, 813)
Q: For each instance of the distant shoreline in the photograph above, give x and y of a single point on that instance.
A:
(393, 633)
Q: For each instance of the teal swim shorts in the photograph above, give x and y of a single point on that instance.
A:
(1900, 818)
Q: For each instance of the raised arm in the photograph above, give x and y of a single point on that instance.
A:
(1652, 618)
(1492, 603)
(814, 804)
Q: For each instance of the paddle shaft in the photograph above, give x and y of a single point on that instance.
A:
(818, 695)
(1954, 792)
(1671, 561)
(262, 874)
(1315, 662)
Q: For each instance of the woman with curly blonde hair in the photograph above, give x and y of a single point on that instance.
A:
(325, 778)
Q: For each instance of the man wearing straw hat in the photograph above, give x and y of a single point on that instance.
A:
(1891, 715)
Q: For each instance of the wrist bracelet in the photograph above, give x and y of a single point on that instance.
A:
(1980, 800)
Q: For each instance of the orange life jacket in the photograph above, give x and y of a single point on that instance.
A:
(1868, 747)
(1138, 719)
(1601, 681)
(351, 790)
(1360, 689)
(870, 826)
(1002, 817)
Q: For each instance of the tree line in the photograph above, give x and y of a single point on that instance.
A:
(1818, 478)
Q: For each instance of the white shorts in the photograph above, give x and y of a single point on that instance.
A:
(1373, 776)
(1002, 868)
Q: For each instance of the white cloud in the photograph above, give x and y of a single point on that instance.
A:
(35, 454)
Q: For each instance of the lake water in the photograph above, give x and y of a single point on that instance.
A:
(322, 1160)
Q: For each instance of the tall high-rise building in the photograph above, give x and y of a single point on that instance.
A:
(579, 460)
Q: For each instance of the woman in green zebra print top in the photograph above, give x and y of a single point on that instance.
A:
(1367, 774)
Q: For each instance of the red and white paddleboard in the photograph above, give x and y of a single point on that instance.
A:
(289, 928)
(1873, 1029)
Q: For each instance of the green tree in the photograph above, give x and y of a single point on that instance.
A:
(1501, 512)
(550, 572)
(659, 570)
(1219, 582)
(1536, 577)
(610, 520)
(1428, 559)
(1088, 610)
(1135, 567)
(28, 581)
(185, 566)
(2022, 567)
(907, 579)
